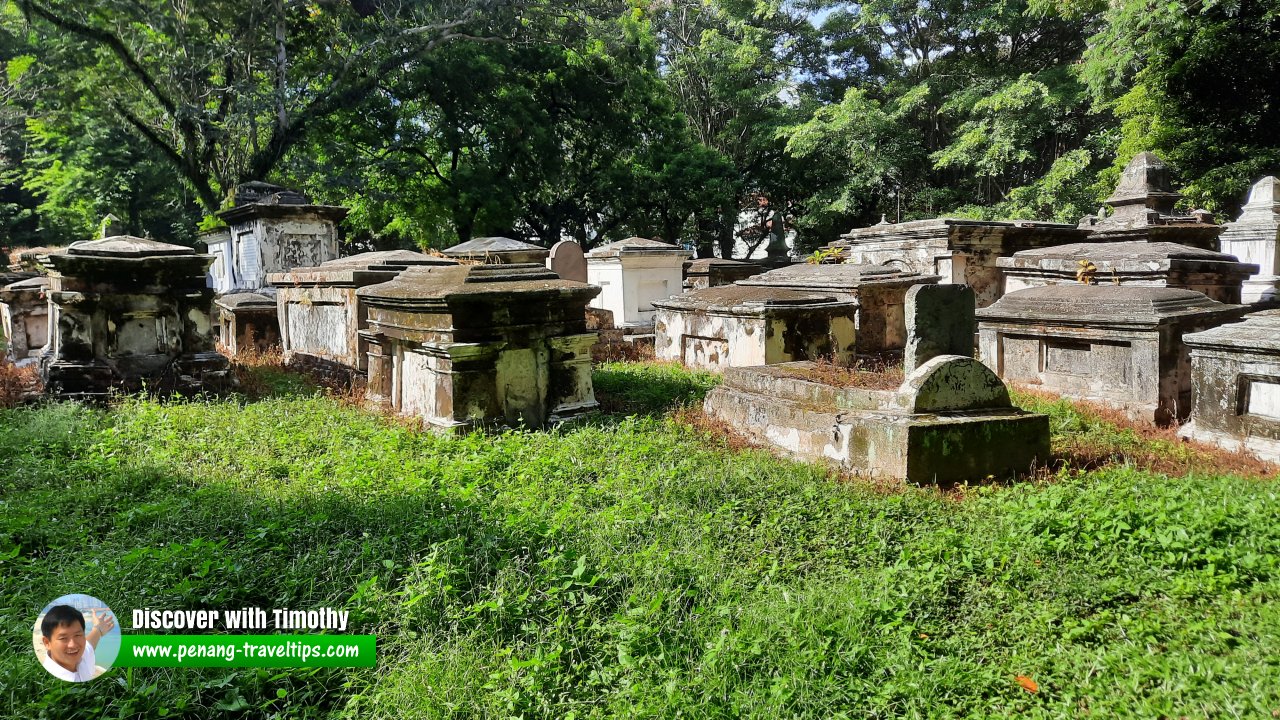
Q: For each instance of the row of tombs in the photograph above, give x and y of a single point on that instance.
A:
(1164, 316)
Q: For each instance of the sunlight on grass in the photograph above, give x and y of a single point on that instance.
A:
(618, 567)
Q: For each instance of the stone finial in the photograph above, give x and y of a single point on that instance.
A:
(940, 320)
(1264, 196)
(884, 219)
(1146, 182)
(110, 226)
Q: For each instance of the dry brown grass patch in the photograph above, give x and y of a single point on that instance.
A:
(1153, 448)
(17, 384)
(879, 372)
(612, 348)
(712, 428)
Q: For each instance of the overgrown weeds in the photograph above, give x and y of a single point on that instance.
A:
(869, 372)
(1089, 436)
(628, 568)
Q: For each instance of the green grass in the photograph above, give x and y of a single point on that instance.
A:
(625, 567)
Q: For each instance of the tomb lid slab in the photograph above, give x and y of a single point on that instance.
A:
(1104, 304)
(747, 299)
(483, 245)
(637, 246)
(245, 301)
(126, 246)
(1259, 332)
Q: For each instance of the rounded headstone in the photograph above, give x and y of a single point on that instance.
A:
(950, 383)
(568, 261)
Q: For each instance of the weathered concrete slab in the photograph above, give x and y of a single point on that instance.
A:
(319, 314)
(950, 422)
(714, 272)
(879, 291)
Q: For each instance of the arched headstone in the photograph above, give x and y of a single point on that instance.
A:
(568, 261)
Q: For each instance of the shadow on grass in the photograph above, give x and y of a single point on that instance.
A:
(409, 562)
(649, 388)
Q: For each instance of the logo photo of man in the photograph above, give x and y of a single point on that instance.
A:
(69, 640)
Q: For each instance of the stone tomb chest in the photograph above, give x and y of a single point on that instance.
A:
(270, 230)
(320, 315)
(479, 344)
(498, 250)
(1151, 264)
(950, 421)
(1235, 372)
(1253, 238)
(739, 325)
(879, 291)
(713, 272)
(247, 322)
(24, 312)
(124, 311)
(962, 252)
(631, 274)
(1116, 345)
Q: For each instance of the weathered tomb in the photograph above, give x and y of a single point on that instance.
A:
(247, 323)
(940, 321)
(320, 314)
(567, 260)
(713, 272)
(472, 345)
(24, 314)
(1235, 375)
(737, 325)
(1112, 344)
(1143, 209)
(961, 252)
(1253, 238)
(498, 250)
(950, 421)
(270, 230)
(879, 291)
(1149, 264)
(631, 274)
(124, 312)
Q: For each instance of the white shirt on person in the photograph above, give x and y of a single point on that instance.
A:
(85, 669)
